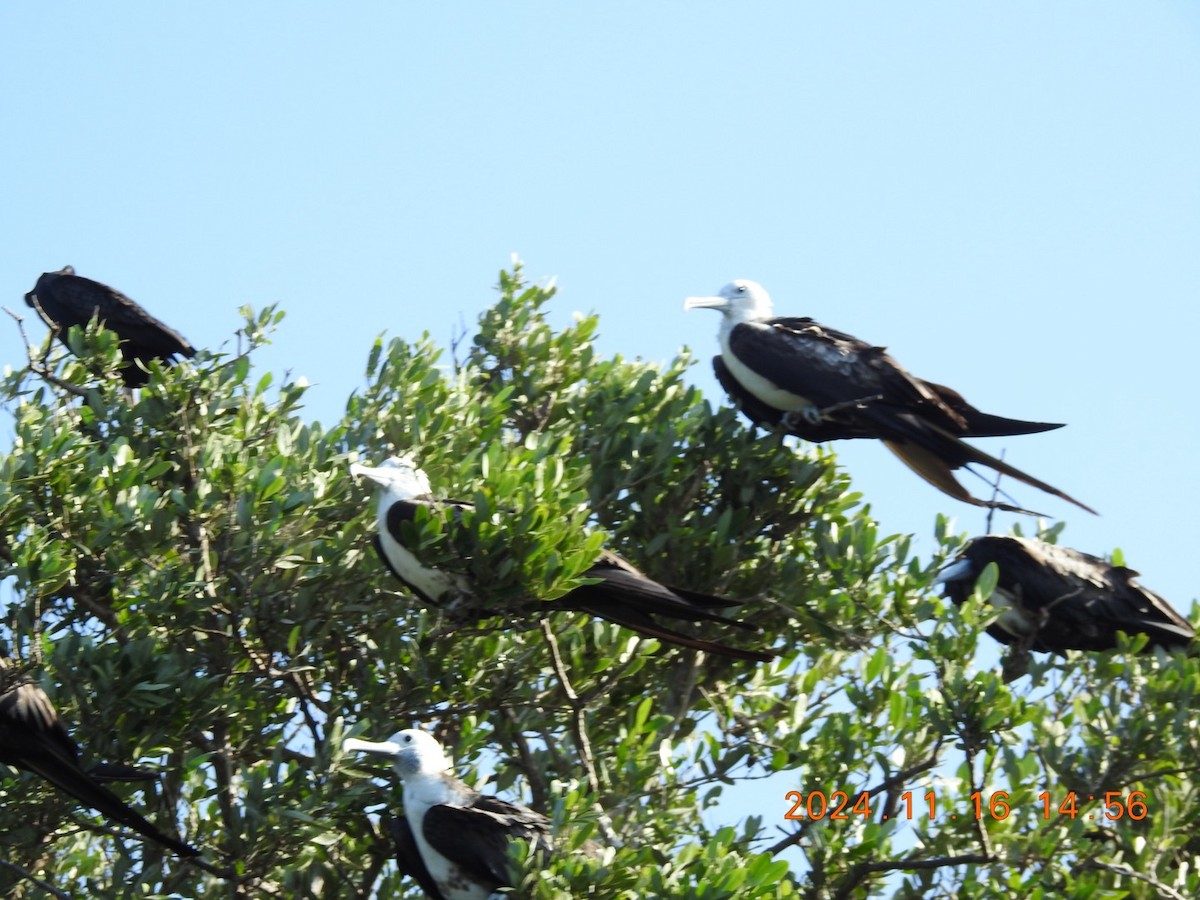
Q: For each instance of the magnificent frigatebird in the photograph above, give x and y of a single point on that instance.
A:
(822, 385)
(452, 840)
(1056, 599)
(621, 593)
(64, 299)
(32, 737)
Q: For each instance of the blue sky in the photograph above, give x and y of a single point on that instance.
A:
(1007, 195)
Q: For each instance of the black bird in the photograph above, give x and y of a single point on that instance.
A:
(622, 594)
(1056, 599)
(823, 385)
(64, 299)
(32, 737)
(452, 839)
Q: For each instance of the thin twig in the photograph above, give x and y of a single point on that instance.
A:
(579, 729)
(1163, 889)
(860, 872)
(44, 885)
(980, 830)
(38, 367)
(888, 783)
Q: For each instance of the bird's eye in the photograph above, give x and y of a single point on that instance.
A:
(741, 289)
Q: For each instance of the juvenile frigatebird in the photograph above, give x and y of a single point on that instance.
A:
(452, 840)
(1056, 599)
(32, 737)
(821, 385)
(621, 594)
(64, 299)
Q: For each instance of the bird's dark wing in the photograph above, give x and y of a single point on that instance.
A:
(103, 771)
(406, 511)
(1085, 599)
(843, 424)
(627, 597)
(1134, 608)
(1082, 601)
(408, 855)
(29, 717)
(833, 369)
(476, 837)
(981, 424)
(64, 299)
(33, 738)
(829, 368)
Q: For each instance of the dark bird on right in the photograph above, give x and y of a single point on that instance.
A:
(822, 385)
(64, 299)
(1056, 599)
(32, 737)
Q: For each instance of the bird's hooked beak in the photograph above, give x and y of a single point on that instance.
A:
(956, 571)
(379, 476)
(706, 303)
(385, 748)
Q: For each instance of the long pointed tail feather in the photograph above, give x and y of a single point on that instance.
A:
(83, 788)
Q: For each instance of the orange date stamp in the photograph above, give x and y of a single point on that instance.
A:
(841, 806)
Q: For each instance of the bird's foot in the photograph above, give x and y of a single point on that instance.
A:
(806, 415)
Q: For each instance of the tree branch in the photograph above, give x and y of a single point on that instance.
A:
(29, 876)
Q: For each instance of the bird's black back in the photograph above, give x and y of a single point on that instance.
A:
(64, 299)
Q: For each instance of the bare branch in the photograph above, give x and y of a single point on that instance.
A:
(863, 870)
(579, 729)
(1126, 872)
(29, 876)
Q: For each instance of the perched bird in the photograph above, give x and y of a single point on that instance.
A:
(824, 385)
(64, 299)
(1055, 599)
(452, 840)
(32, 737)
(622, 594)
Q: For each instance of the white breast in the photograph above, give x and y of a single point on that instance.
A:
(432, 583)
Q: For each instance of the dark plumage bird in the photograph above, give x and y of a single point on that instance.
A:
(32, 737)
(64, 299)
(1055, 599)
(622, 594)
(452, 840)
(822, 385)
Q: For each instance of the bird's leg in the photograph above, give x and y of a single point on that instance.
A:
(1016, 664)
(798, 418)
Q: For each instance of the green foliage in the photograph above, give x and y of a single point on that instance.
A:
(191, 571)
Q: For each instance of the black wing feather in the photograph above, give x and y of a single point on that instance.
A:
(476, 837)
(32, 737)
(1083, 600)
(64, 299)
(630, 599)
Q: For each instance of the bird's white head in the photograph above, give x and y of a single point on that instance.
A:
(399, 476)
(738, 301)
(413, 752)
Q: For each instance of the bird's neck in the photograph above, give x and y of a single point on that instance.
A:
(426, 789)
